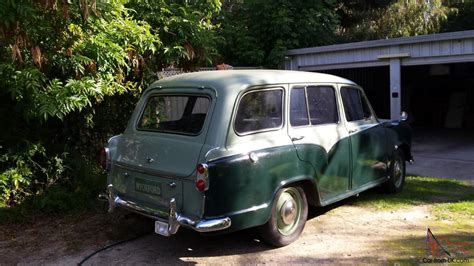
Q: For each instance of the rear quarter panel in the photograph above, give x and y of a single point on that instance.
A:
(243, 190)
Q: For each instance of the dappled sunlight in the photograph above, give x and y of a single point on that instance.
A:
(345, 232)
(417, 191)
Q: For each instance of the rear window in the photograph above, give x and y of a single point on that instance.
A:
(181, 114)
(259, 110)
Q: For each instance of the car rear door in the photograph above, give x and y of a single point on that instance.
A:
(319, 137)
(157, 155)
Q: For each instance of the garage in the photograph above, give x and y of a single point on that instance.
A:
(429, 76)
(439, 96)
(435, 96)
(420, 74)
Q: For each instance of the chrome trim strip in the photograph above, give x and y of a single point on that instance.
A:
(172, 218)
(361, 128)
(251, 209)
(206, 156)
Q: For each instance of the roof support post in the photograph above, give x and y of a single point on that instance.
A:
(395, 88)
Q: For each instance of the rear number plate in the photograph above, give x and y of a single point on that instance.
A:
(148, 187)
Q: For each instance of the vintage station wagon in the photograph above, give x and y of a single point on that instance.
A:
(226, 150)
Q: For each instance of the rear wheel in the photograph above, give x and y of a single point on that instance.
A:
(397, 173)
(289, 213)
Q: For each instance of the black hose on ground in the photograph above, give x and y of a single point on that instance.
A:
(109, 246)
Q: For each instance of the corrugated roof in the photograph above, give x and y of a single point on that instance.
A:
(385, 42)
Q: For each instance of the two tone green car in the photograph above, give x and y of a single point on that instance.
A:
(221, 151)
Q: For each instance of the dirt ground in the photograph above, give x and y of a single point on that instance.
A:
(341, 234)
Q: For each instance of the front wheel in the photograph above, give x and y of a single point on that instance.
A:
(397, 173)
(288, 217)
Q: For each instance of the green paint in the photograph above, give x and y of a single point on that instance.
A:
(332, 170)
(237, 184)
(143, 187)
(334, 164)
(369, 155)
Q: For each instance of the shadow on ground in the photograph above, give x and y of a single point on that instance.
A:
(189, 244)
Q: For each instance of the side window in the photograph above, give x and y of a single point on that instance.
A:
(322, 105)
(355, 105)
(259, 110)
(298, 109)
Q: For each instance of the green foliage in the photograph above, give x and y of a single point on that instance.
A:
(409, 18)
(390, 19)
(28, 172)
(61, 57)
(60, 199)
(80, 195)
(258, 32)
(185, 28)
(463, 19)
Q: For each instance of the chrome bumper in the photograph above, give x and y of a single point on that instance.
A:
(172, 220)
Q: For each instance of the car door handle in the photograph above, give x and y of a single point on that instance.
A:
(352, 131)
(297, 138)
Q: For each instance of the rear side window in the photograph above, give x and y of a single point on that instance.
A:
(259, 110)
(181, 114)
(322, 105)
(355, 104)
(317, 101)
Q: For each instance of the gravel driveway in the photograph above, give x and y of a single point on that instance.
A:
(343, 234)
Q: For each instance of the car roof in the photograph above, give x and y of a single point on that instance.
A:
(222, 80)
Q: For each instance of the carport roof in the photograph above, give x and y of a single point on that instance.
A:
(442, 48)
(458, 35)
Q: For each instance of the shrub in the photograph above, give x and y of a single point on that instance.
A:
(28, 171)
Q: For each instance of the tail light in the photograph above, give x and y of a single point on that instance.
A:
(105, 158)
(202, 177)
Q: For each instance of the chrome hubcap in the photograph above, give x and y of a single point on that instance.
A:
(288, 211)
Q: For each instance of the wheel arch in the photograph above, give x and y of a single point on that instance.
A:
(406, 150)
(309, 186)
